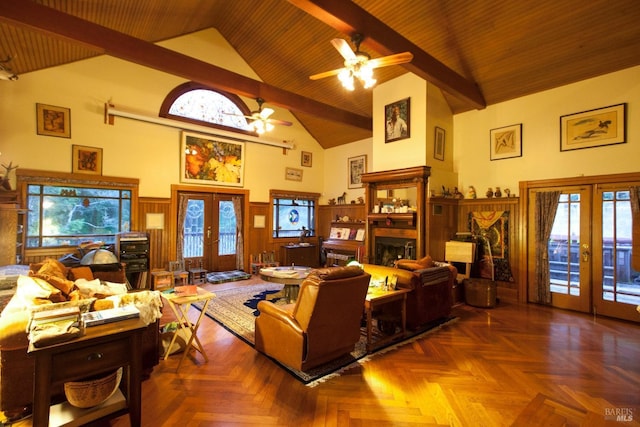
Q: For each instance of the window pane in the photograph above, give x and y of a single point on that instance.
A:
(193, 244)
(209, 106)
(291, 215)
(227, 229)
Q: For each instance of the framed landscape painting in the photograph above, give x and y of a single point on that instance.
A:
(211, 160)
(593, 128)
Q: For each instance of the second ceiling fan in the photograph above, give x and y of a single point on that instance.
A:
(259, 120)
(358, 64)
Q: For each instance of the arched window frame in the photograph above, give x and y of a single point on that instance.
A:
(191, 86)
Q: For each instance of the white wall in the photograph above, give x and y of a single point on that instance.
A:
(131, 148)
(540, 117)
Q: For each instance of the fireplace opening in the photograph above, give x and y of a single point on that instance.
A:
(391, 249)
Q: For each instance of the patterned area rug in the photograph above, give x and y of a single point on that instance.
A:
(227, 276)
(236, 309)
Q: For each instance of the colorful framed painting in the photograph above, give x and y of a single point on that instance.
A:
(397, 120)
(211, 160)
(356, 167)
(593, 128)
(86, 160)
(506, 142)
(53, 121)
(438, 144)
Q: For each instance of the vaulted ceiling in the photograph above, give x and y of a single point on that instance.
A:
(479, 52)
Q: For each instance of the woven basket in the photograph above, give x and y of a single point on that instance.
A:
(89, 393)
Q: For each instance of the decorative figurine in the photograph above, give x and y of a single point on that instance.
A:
(490, 193)
(498, 193)
(471, 194)
(342, 200)
(507, 192)
(457, 194)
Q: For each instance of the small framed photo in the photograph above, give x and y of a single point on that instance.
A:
(53, 121)
(86, 160)
(593, 128)
(438, 144)
(306, 159)
(293, 174)
(356, 167)
(506, 142)
(397, 120)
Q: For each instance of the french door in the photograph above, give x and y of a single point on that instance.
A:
(589, 250)
(209, 231)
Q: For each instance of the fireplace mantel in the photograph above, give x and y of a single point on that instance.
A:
(396, 203)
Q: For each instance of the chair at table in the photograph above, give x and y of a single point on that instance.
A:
(323, 324)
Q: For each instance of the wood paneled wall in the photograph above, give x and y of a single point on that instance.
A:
(506, 290)
(158, 239)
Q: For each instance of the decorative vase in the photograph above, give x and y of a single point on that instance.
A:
(490, 193)
(498, 193)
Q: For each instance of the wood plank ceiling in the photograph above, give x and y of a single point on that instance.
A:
(502, 49)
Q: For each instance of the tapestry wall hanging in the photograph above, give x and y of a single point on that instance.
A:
(494, 227)
(211, 160)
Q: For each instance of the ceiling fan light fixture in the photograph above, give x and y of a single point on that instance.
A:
(346, 78)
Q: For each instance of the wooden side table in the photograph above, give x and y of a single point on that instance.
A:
(376, 298)
(103, 348)
(180, 306)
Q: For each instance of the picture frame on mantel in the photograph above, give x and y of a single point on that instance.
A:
(53, 121)
(593, 128)
(505, 142)
(397, 123)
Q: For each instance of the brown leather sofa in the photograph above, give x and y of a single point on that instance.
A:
(323, 324)
(431, 296)
(17, 367)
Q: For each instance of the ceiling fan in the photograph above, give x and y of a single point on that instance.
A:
(259, 120)
(359, 64)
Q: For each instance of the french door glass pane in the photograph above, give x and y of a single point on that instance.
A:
(227, 229)
(193, 244)
(564, 247)
(620, 282)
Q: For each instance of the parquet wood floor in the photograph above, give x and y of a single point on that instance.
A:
(522, 365)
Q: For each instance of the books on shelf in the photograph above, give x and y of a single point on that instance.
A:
(95, 318)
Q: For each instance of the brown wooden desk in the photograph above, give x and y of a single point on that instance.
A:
(102, 349)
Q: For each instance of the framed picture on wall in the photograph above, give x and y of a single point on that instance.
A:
(397, 120)
(306, 159)
(438, 143)
(593, 128)
(356, 167)
(86, 160)
(211, 160)
(505, 142)
(53, 121)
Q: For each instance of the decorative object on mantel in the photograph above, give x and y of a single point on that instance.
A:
(507, 192)
(471, 193)
(332, 201)
(497, 193)
(457, 194)
(360, 200)
(489, 193)
(342, 200)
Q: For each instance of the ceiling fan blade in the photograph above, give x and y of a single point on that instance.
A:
(398, 58)
(344, 49)
(265, 113)
(326, 74)
(280, 122)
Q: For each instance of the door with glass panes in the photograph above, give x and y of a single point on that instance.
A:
(210, 232)
(589, 251)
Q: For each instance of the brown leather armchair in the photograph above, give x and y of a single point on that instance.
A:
(323, 323)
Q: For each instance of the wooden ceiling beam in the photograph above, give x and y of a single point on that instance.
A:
(61, 25)
(348, 18)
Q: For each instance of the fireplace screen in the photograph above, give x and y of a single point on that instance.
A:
(391, 249)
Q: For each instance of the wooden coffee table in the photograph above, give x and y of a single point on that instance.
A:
(377, 297)
(290, 277)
